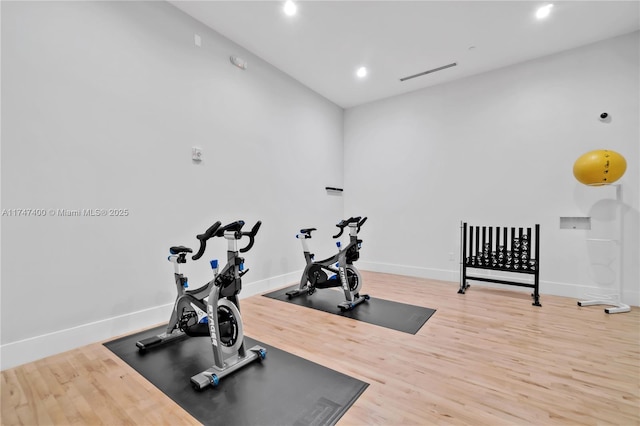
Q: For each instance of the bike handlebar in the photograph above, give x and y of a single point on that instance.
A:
(251, 234)
(233, 226)
(203, 239)
(361, 223)
(345, 222)
(216, 231)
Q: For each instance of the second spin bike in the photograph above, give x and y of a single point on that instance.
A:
(340, 265)
(212, 310)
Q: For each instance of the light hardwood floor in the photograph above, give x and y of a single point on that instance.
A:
(484, 358)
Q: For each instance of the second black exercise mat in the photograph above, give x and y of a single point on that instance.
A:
(385, 313)
(284, 389)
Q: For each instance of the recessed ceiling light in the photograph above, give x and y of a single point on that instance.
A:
(544, 11)
(362, 72)
(290, 8)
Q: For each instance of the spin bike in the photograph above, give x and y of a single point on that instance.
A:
(194, 316)
(345, 274)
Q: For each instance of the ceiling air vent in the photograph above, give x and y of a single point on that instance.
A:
(444, 67)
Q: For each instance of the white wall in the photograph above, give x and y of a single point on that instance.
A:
(101, 104)
(498, 149)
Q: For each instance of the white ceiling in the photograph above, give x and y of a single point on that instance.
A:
(326, 41)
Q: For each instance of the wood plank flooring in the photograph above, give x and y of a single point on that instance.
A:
(484, 358)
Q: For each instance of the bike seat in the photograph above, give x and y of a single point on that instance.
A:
(307, 231)
(180, 249)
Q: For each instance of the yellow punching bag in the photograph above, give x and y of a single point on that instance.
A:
(599, 167)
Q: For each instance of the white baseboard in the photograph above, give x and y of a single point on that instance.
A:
(38, 347)
(412, 271)
(273, 283)
(34, 348)
(576, 291)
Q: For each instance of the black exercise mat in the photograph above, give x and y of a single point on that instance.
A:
(385, 313)
(283, 389)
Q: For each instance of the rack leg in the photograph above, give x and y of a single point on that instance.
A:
(536, 299)
(618, 309)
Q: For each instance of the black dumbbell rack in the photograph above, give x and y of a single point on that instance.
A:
(505, 249)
